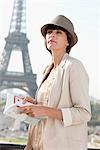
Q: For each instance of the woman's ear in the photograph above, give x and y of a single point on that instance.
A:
(67, 44)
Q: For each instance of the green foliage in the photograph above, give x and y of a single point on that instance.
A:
(14, 140)
(95, 109)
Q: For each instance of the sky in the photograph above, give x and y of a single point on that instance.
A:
(85, 15)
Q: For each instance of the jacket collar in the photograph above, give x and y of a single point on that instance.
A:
(63, 61)
(61, 65)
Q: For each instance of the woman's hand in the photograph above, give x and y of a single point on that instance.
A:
(37, 110)
(34, 110)
(29, 99)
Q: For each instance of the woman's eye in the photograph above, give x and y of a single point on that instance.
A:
(49, 32)
(58, 32)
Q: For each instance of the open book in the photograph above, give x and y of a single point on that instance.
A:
(11, 110)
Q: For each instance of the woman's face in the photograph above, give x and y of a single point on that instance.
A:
(56, 40)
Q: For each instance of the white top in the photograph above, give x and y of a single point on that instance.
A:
(43, 96)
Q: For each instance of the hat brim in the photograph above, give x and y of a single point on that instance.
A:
(73, 34)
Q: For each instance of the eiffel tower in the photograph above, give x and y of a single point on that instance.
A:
(17, 41)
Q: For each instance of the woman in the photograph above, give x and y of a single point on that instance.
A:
(62, 96)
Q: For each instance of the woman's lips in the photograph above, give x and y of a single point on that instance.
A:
(51, 41)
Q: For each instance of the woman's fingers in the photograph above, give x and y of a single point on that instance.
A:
(31, 100)
(32, 110)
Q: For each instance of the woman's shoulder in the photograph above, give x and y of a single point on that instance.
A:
(74, 61)
(76, 64)
(45, 69)
(48, 68)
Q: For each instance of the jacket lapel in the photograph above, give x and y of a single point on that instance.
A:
(57, 85)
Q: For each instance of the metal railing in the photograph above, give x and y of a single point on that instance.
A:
(21, 147)
(11, 147)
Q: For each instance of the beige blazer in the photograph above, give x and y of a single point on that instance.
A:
(70, 90)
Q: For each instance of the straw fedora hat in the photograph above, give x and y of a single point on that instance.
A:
(62, 22)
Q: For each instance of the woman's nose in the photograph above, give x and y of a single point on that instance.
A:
(52, 34)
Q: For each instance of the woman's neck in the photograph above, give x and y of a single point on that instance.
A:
(56, 58)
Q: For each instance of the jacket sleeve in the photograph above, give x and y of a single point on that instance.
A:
(80, 112)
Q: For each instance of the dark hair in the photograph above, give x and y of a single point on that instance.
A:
(69, 37)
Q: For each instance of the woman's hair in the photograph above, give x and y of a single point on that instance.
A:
(69, 38)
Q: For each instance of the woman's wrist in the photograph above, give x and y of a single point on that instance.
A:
(53, 113)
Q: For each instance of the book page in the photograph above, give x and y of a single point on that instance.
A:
(11, 110)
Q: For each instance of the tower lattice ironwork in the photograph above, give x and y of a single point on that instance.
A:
(17, 41)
